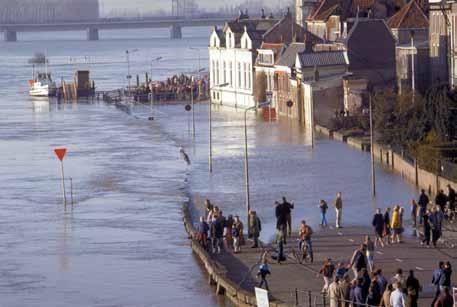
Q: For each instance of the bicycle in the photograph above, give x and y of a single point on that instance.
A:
(304, 254)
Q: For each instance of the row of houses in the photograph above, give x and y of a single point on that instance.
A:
(326, 58)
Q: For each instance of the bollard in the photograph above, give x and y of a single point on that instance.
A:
(296, 297)
(310, 301)
(71, 191)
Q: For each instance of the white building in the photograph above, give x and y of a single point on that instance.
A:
(233, 53)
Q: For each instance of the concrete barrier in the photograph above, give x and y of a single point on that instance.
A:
(217, 273)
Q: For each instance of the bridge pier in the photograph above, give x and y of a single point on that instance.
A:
(92, 34)
(10, 36)
(176, 32)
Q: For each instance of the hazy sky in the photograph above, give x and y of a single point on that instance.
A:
(166, 4)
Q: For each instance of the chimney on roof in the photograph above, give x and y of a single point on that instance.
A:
(271, 16)
(263, 14)
(288, 12)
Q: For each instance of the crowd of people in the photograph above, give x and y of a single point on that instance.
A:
(359, 282)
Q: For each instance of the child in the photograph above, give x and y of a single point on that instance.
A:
(263, 272)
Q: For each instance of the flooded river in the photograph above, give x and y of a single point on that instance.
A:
(123, 243)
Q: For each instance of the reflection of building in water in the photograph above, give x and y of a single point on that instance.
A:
(47, 11)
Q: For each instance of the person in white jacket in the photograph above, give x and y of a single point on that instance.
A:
(397, 298)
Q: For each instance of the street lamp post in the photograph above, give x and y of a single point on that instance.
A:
(199, 58)
(373, 175)
(210, 156)
(150, 87)
(246, 157)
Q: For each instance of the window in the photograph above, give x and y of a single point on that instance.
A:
(225, 72)
(248, 73)
(213, 73)
(244, 75)
(217, 73)
(239, 75)
(230, 73)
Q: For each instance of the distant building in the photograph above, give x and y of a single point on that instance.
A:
(410, 29)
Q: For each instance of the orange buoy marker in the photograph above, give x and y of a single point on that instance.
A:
(60, 153)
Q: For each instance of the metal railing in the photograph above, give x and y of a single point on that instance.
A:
(305, 298)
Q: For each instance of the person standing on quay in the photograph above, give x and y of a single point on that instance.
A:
(255, 227)
(338, 209)
(385, 301)
(423, 203)
(237, 232)
(370, 252)
(445, 299)
(387, 231)
(263, 272)
(333, 293)
(359, 260)
(427, 228)
(413, 287)
(441, 200)
(397, 298)
(438, 280)
(327, 271)
(395, 225)
(378, 225)
(281, 216)
(436, 221)
(323, 207)
(287, 207)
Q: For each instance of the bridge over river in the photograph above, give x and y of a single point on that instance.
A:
(92, 28)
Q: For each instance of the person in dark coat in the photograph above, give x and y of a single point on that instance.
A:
(374, 295)
(202, 232)
(387, 231)
(281, 216)
(378, 225)
(441, 200)
(287, 207)
(427, 229)
(413, 287)
(447, 274)
(357, 298)
(423, 203)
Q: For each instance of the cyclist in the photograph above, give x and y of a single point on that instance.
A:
(305, 234)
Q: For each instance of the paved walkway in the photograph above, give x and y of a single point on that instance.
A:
(338, 245)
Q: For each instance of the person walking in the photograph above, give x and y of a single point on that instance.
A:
(305, 234)
(370, 252)
(445, 299)
(427, 228)
(438, 280)
(385, 301)
(399, 278)
(395, 225)
(378, 225)
(280, 240)
(288, 207)
(414, 211)
(436, 221)
(327, 271)
(397, 298)
(359, 260)
(382, 282)
(338, 204)
(228, 238)
(423, 203)
(255, 227)
(263, 272)
(357, 298)
(387, 231)
(323, 207)
(374, 295)
(413, 287)
(237, 231)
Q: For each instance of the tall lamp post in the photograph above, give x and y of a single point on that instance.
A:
(192, 102)
(199, 58)
(210, 156)
(246, 158)
(151, 88)
(129, 76)
(373, 174)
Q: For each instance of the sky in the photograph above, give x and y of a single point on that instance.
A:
(166, 4)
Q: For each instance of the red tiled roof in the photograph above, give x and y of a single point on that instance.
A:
(410, 16)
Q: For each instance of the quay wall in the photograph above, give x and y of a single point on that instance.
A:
(217, 273)
(395, 162)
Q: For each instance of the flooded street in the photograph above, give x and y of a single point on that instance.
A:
(123, 243)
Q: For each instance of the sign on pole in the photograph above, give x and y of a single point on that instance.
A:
(60, 153)
(261, 296)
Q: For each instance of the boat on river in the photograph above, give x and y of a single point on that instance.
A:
(42, 86)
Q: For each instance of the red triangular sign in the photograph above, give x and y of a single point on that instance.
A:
(60, 153)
